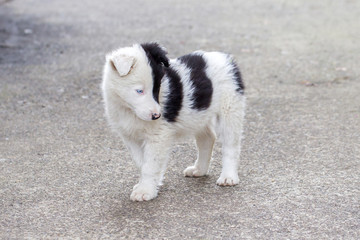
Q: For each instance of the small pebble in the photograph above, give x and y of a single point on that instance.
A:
(28, 31)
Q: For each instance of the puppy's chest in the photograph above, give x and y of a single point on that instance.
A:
(140, 130)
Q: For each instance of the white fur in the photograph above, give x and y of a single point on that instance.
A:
(129, 114)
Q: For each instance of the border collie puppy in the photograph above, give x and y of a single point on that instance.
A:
(152, 101)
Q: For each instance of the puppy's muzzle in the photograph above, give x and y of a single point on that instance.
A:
(155, 116)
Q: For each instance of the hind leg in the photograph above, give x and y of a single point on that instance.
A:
(205, 142)
(230, 161)
(231, 124)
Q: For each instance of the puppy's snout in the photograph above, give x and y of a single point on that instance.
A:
(155, 116)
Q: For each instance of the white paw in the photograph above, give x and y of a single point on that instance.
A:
(228, 180)
(192, 171)
(143, 193)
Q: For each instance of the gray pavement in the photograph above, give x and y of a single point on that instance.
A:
(63, 174)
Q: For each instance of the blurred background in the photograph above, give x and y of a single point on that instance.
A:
(64, 174)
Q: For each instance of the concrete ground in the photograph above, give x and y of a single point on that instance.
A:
(63, 174)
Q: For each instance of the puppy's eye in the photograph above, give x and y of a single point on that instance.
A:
(139, 91)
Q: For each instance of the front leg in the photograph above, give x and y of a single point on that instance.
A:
(205, 142)
(151, 171)
(136, 150)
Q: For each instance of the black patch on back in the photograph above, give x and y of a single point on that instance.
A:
(157, 60)
(237, 77)
(175, 96)
(202, 85)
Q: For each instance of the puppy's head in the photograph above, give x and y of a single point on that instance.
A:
(134, 74)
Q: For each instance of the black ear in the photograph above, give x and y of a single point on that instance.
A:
(155, 52)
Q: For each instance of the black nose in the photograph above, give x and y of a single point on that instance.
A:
(155, 116)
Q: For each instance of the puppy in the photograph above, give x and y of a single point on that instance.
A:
(152, 101)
